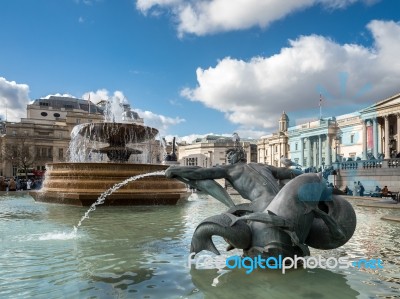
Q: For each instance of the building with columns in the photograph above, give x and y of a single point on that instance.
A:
(272, 147)
(311, 143)
(372, 131)
(381, 128)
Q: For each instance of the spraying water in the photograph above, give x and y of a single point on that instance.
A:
(114, 188)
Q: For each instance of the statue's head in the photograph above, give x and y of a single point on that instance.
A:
(236, 155)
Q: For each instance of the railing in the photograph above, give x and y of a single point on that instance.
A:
(367, 164)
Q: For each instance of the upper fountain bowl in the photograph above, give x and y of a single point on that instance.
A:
(117, 134)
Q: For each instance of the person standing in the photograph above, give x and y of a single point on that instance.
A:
(355, 189)
(28, 184)
(12, 185)
(361, 188)
(3, 184)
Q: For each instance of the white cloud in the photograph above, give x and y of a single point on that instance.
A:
(59, 95)
(160, 122)
(192, 137)
(254, 93)
(203, 17)
(13, 100)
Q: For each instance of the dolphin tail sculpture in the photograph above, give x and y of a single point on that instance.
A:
(334, 225)
(237, 235)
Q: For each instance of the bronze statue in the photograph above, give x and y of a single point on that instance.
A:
(288, 210)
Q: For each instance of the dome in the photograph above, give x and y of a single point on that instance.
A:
(284, 117)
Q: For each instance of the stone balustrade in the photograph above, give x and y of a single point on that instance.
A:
(366, 164)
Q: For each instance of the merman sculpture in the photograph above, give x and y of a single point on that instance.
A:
(288, 210)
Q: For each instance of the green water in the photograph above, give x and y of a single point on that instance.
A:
(142, 252)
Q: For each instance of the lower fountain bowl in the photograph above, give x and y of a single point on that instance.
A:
(81, 184)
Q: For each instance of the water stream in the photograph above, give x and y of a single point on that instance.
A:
(111, 190)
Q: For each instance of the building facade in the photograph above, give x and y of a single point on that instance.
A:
(211, 151)
(311, 143)
(44, 135)
(371, 132)
(380, 125)
(272, 147)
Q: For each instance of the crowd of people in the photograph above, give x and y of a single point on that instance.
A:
(19, 184)
(358, 190)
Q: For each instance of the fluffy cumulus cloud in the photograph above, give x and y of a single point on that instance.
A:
(13, 100)
(201, 17)
(347, 76)
(160, 122)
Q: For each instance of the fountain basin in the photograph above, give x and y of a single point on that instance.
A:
(82, 183)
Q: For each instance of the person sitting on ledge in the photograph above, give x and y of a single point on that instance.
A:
(346, 190)
(385, 192)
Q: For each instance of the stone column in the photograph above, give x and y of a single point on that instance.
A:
(387, 150)
(398, 132)
(302, 152)
(364, 141)
(309, 152)
(271, 154)
(315, 153)
(319, 151)
(375, 134)
(279, 155)
(328, 160)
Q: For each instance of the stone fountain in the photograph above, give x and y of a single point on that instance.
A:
(83, 180)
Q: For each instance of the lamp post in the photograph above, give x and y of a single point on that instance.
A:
(337, 147)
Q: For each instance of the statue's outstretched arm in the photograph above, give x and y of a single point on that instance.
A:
(202, 179)
(283, 173)
(196, 172)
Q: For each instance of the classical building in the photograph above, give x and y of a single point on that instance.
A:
(311, 143)
(380, 124)
(272, 147)
(44, 135)
(211, 151)
(371, 132)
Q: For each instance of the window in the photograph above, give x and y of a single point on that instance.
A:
(43, 114)
(61, 153)
(296, 146)
(276, 148)
(56, 115)
(43, 104)
(266, 152)
(192, 161)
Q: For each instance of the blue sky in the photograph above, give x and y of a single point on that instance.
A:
(199, 67)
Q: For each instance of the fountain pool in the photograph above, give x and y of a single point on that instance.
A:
(142, 252)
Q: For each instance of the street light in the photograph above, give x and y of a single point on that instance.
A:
(337, 147)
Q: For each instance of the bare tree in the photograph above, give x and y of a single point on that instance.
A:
(19, 154)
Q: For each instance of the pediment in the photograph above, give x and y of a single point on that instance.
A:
(393, 101)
